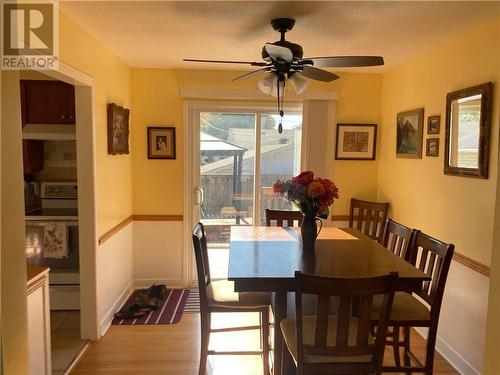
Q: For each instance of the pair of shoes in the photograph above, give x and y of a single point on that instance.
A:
(150, 298)
(147, 302)
(155, 291)
(131, 311)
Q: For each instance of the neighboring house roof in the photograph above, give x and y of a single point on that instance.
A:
(212, 144)
(246, 137)
(275, 159)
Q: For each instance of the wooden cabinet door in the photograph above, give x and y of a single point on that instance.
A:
(33, 156)
(48, 102)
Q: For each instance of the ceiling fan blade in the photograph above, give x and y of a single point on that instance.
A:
(251, 74)
(319, 74)
(346, 61)
(279, 52)
(228, 62)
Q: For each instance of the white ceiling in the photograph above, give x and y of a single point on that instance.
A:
(159, 34)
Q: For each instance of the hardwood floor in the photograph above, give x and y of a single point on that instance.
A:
(174, 349)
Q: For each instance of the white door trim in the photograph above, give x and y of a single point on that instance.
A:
(190, 109)
(192, 93)
(87, 195)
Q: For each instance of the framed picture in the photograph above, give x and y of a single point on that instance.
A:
(432, 147)
(356, 141)
(161, 142)
(433, 123)
(409, 134)
(118, 129)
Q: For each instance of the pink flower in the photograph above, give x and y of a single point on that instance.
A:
(305, 178)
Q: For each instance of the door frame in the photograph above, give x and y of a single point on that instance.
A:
(191, 137)
(87, 195)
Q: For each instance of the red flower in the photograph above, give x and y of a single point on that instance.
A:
(330, 188)
(277, 187)
(305, 178)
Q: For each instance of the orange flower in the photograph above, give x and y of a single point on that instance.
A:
(277, 187)
(316, 189)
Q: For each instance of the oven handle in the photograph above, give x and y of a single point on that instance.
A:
(41, 223)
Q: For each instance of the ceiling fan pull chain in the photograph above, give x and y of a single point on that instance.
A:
(280, 103)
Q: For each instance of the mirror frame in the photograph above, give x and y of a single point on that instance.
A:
(484, 131)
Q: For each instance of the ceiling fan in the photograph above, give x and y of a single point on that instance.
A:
(284, 61)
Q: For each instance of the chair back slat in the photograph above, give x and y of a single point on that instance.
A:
(322, 309)
(372, 223)
(434, 258)
(202, 263)
(291, 218)
(355, 297)
(398, 239)
(364, 313)
(344, 320)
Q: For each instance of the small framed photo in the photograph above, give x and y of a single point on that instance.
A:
(433, 123)
(118, 129)
(432, 147)
(409, 134)
(356, 142)
(161, 142)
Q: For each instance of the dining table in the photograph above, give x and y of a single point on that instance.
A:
(264, 259)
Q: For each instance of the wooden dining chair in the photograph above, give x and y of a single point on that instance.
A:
(434, 258)
(219, 296)
(398, 239)
(282, 217)
(368, 217)
(342, 343)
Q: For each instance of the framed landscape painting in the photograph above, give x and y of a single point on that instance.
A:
(356, 141)
(161, 142)
(409, 133)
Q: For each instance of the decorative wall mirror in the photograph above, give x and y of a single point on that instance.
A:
(468, 122)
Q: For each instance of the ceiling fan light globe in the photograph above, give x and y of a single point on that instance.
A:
(299, 83)
(266, 84)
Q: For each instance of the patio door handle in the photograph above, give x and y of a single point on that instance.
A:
(198, 196)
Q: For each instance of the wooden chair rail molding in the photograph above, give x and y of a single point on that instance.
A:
(457, 257)
(110, 233)
(474, 265)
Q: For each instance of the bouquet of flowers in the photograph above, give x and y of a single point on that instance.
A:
(311, 195)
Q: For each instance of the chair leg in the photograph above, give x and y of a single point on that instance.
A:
(431, 344)
(264, 321)
(406, 344)
(205, 339)
(395, 346)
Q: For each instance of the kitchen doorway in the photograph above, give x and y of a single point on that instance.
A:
(80, 315)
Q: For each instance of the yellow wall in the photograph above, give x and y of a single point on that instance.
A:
(455, 209)
(158, 184)
(112, 84)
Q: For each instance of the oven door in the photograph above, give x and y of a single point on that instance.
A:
(34, 246)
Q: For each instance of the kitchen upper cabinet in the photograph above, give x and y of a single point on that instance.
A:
(33, 156)
(47, 102)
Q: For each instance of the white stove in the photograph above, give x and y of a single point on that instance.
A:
(59, 204)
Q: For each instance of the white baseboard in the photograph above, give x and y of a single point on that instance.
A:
(108, 317)
(451, 355)
(169, 282)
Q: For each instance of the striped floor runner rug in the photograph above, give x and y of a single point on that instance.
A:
(170, 310)
(193, 302)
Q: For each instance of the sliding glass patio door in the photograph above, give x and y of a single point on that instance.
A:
(238, 155)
